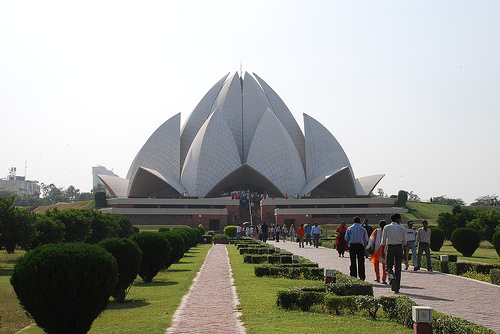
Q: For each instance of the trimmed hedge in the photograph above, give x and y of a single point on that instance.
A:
(465, 240)
(207, 239)
(128, 257)
(267, 258)
(495, 276)
(437, 238)
(346, 285)
(496, 241)
(65, 286)
(155, 251)
(311, 273)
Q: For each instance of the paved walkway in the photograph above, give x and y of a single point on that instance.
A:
(462, 297)
(210, 305)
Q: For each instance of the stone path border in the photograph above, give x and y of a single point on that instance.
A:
(458, 296)
(210, 305)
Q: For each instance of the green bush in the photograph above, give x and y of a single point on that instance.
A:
(177, 244)
(402, 198)
(495, 276)
(49, 231)
(163, 229)
(346, 285)
(459, 268)
(437, 238)
(297, 298)
(128, 257)
(465, 240)
(230, 231)
(65, 286)
(370, 304)
(155, 251)
(335, 304)
(100, 199)
(207, 239)
(442, 323)
(398, 309)
(293, 272)
(496, 242)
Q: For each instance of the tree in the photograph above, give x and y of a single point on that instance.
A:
(128, 256)
(449, 201)
(98, 187)
(65, 286)
(413, 197)
(485, 200)
(17, 226)
(71, 193)
(458, 217)
(402, 198)
(485, 223)
(465, 240)
(77, 223)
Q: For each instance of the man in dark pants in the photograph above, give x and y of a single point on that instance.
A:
(394, 239)
(356, 236)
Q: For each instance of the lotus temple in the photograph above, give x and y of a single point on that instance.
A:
(242, 157)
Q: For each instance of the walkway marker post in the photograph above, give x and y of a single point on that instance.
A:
(422, 318)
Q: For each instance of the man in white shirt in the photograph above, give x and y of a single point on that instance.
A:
(316, 233)
(394, 239)
(424, 240)
(238, 232)
(410, 244)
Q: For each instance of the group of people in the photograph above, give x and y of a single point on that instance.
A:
(390, 244)
(308, 232)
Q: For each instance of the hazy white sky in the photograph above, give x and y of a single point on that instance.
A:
(409, 88)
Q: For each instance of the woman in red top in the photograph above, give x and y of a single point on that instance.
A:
(301, 232)
(340, 242)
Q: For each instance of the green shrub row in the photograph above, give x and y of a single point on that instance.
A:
(495, 276)
(400, 309)
(345, 285)
(267, 258)
(257, 250)
(207, 239)
(310, 273)
(240, 245)
(458, 268)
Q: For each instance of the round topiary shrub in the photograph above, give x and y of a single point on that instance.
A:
(437, 238)
(155, 251)
(230, 231)
(496, 242)
(128, 256)
(465, 240)
(65, 286)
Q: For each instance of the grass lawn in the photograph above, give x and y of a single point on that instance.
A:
(485, 253)
(257, 297)
(149, 309)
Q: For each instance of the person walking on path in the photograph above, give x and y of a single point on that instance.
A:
(308, 229)
(394, 243)
(265, 231)
(292, 233)
(378, 257)
(356, 236)
(424, 241)
(410, 242)
(340, 242)
(316, 233)
(301, 232)
(277, 231)
(369, 231)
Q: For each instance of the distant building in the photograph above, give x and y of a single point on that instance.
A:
(241, 140)
(100, 170)
(19, 185)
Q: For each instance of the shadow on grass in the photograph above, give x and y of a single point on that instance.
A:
(129, 304)
(6, 272)
(154, 283)
(177, 270)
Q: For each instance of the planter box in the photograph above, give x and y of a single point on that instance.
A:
(221, 241)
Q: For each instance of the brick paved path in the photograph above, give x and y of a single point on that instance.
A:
(461, 297)
(210, 305)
